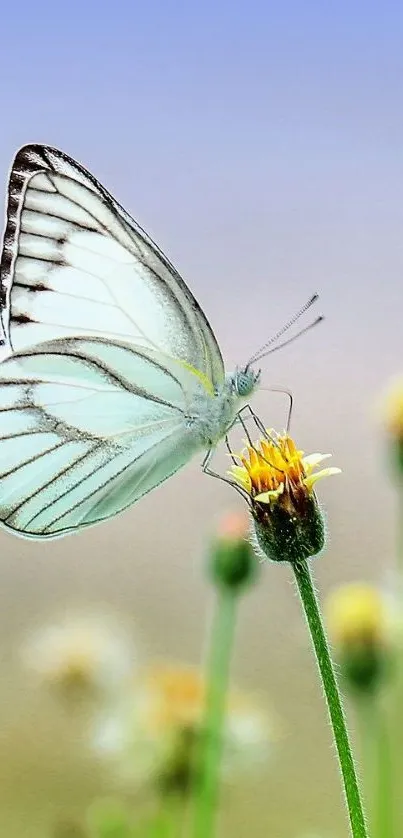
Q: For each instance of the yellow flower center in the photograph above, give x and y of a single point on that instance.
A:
(274, 466)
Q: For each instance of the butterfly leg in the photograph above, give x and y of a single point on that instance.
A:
(258, 422)
(229, 449)
(261, 428)
(291, 402)
(252, 415)
(207, 458)
(241, 421)
(211, 473)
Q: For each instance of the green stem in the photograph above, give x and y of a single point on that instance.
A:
(218, 665)
(319, 641)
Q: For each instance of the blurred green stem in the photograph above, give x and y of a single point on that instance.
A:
(209, 758)
(377, 765)
(384, 796)
(169, 821)
(397, 697)
(319, 641)
(364, 707)
(399, 539)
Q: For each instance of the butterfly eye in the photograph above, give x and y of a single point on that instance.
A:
(245, 382)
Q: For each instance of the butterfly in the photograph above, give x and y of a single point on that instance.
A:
(112, 378)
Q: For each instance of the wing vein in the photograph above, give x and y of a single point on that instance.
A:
(32, 459)
(53, 479)
(94, 491)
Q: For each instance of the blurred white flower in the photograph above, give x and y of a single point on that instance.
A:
(151, 736)
(80, 655)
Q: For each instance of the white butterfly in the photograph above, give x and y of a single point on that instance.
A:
(113, 378)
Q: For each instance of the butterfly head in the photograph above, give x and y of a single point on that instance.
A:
(245, 381)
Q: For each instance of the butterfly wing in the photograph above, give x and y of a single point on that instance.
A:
(80, 436)
(74, 262)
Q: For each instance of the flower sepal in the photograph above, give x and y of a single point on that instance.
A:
(289, 535)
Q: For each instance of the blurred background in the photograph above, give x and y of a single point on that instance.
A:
(261, 145)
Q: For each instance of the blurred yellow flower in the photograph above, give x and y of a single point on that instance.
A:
(80, 655)
(392, 408)
(361, 628)
(356, 613)
(279, 480)
(152, 736)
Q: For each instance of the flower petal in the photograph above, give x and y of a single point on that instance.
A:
(272, 495)
(310, 481)
(240, 474)
(311, 461)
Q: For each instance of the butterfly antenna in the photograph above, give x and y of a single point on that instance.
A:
(266, 346)
(307, 328)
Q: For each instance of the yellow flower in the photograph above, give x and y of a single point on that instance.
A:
(153, 734)
(275, 467)
(360, 627)
(279, 480)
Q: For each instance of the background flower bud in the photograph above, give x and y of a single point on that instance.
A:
(360, 629)
(392, 414)
(232, 559)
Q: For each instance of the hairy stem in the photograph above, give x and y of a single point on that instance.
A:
(321, 648)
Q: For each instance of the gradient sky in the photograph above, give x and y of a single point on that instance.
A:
(261, 145)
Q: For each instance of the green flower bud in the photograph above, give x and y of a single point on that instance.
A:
(232, 559)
